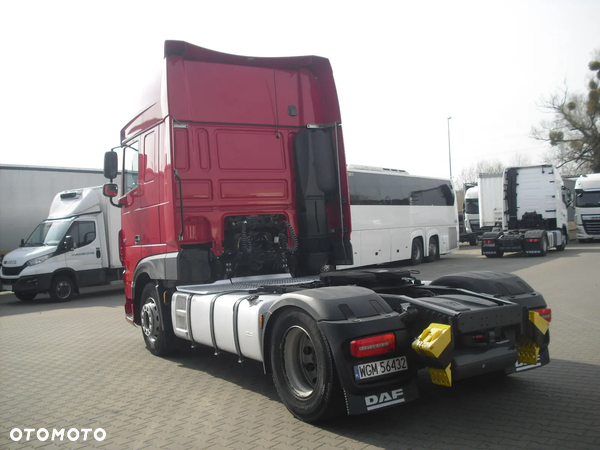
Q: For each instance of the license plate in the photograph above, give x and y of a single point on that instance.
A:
(6, 287)
(378, 368)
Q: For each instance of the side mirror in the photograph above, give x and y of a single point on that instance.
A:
(110, 190)
(567, 196)
(22, 243)
(111, 165)
(69, 244)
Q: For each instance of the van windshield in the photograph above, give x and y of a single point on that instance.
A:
(48, 233)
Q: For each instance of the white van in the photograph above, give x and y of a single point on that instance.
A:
(76, 246)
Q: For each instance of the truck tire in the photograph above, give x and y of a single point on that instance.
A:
(62, 288)
(416, 253)
(156, 328)
(473, 240)
(434, 250)
(25, 296)
(303, 369)
(543, 245)
(563, 241)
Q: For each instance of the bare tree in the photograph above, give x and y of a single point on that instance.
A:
(519, 160)
(470, 174)
(574, 132)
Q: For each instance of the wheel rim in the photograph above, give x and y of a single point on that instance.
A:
(150, 320)
(63, 289)
(564, 240)
(299, 362)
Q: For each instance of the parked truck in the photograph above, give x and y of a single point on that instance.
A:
(587, 207)
(471, 216)
(534, 212)
(75, 247)
(235, 213)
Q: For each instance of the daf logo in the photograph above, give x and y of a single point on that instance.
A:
(12, 262)
(384, 399)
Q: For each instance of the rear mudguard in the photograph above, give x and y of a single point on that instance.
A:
(345, 313)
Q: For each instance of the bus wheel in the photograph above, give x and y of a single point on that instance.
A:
(303, 368)
(416, 254)
(434, 250)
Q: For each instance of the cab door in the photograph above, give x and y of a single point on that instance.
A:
(86, 256)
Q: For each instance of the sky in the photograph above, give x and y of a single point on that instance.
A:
(72, 71)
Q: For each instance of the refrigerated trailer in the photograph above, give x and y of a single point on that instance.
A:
(534, 214)
(235, 208)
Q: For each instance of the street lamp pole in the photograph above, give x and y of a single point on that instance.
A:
(449, 153)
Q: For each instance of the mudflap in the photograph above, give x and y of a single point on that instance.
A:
(380, 399)
(542, 360)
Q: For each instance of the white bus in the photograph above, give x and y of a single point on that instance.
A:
(397, 216)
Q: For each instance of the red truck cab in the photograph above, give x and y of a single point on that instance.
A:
(235, 168)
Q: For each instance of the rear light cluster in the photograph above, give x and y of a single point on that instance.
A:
(489, 241)
(545, 313)
(532, 240)
(374, 345)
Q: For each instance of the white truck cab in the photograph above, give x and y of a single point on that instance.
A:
(587, 207)
(76, 246)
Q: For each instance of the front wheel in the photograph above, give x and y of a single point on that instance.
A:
(303, 368)
(62, 289)
(157, 329)
(25, 296)
(416, 254)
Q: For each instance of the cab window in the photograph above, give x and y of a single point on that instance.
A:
(83, 233)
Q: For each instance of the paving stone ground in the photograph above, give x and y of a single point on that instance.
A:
(81, 365)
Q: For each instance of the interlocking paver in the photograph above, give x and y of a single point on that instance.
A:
(80, 365)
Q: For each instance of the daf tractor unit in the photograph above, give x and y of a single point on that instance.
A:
(587, 207)
(235, 225)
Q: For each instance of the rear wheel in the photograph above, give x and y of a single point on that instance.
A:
(62, 289)
(303, 368)
(473, 240)
(25, 296)
(434, 250)
(416, 254)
